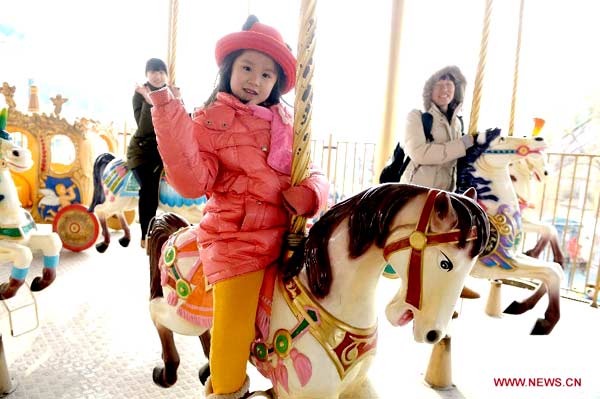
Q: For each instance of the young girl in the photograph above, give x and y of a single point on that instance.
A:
(238, 149)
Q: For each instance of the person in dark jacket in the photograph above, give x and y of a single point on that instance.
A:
(143, 158)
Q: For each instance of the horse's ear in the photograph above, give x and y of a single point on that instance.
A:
(471, 193)
(444, 217)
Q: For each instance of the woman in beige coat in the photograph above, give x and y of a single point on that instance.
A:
(433, 164)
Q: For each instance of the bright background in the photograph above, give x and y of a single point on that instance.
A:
(93, 52)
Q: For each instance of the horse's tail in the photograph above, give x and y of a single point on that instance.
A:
(99, 166)
(160, 229)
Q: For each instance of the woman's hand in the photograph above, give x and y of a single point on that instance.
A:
(144, 91)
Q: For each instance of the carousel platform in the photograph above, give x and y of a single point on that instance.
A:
(96, 340)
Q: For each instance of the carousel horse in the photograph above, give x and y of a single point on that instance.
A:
(19, 236)
(485, 167)
(116, 190)
(522, 172)
(317, 324)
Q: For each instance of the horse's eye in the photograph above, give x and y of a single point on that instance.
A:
(446, 264)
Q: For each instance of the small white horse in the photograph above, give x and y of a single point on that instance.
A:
(485, 167)
(522, 173)
(116, 191)
(323, 327)
(18, 232)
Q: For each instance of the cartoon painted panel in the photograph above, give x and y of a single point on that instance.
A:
(58, 193)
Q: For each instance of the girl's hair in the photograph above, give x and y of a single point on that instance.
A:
(224, 81)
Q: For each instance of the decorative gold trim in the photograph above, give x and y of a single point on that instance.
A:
(330, 332)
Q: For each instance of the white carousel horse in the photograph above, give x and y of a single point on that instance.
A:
(116, 190)
(485, 167)
(522, 172)
(18, 232)
(323, 307)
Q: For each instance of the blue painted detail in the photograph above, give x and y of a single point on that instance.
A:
(51, 261)
(168, 196)
(19, 274)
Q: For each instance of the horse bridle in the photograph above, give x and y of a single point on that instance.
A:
(417, 241)
(522, 150)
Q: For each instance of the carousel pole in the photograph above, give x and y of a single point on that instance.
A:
(172, 50)
(303, 102)
(386, 142)
(439, 370)
(513, 104)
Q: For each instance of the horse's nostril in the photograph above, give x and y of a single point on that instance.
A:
(432, 336)
(545, 173)
(539, 139)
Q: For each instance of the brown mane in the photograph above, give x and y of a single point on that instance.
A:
(370, 214)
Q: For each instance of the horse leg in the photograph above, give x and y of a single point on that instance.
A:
(124, 241)
(552, 315)
(166, 376)
(21, 257)
(539, 247)
(559, 256)
(517, 307)
(102, 246)
(50, 245)
(204, 371)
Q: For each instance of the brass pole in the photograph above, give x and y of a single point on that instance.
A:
(513, 104)
(477, 90)
(303, 101)
(385, 144)
(172, 50)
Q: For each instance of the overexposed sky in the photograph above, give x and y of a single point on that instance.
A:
(93, 52)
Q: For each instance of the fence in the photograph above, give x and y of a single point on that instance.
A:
(569, 199)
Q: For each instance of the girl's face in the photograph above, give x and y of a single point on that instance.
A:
(443, 93)
(253, 76)
(157, 78)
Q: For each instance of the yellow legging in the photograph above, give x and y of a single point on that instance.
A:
(235, 303)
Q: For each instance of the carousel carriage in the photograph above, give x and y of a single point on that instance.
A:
(61, 180)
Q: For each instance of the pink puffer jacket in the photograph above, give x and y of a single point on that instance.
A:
(223, 151)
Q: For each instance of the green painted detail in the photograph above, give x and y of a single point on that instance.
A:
(389, 269)
(260, 351)
(281, 343)
(183, 289)
(16, 232)
(300, 328)
(170, 255)
(312, 314)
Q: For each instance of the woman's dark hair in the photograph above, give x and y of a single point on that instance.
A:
(224, 82)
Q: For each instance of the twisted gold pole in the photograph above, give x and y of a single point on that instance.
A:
(172, 51)
(513, 104)
(303, 101)
(474, 119)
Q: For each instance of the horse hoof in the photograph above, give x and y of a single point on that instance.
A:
(37, 284)
(515, 308)
(542, 327)
(158, 378)
(124, 241)
(204, 373)
(101, 247)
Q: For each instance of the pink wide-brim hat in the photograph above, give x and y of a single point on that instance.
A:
(263, 38)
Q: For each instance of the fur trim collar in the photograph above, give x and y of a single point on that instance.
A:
(459, 91)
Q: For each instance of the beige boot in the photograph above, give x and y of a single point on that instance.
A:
(239, 394)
